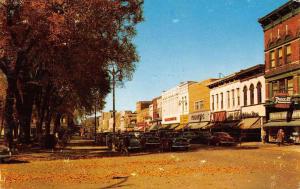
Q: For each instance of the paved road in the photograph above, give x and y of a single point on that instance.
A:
(250, 166)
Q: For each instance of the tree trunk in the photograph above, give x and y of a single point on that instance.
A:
(9, 107)
(57, 123)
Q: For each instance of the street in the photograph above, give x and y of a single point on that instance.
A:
(82, 165)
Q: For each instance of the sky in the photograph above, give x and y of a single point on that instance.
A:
(193, 40)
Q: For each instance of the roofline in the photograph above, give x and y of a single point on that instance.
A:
(282, 7)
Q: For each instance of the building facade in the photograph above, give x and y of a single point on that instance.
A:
(3, 86)
(143, 118)
(199, 104)
(175, 105)
(237, 101)
(282, 70)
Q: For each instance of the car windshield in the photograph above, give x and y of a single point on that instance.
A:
(222, 134)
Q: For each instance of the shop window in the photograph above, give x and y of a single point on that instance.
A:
(222, 103)
(245, 91)
(275, 88)
(288, 54)
(272, 59)
(233, 99)
(290, 86)
(238, 96)
(282, 88)
(280, 55)
(259, 97)
(251, 94)
(228, 99)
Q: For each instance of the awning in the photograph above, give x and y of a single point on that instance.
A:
(223, 125)
(181, 127)
(250, 123)
(169, 126)
(200, 125)
(282, 124)
(154, 127)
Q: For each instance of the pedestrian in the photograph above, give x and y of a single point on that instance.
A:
(280, 137)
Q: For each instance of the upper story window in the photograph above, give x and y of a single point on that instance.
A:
(272, 59)
(251, 94)
(245, 91)
(228, 99)
(288, 53)
(213, 102)
(233, 97)
(238, 96)
(259, 97)
(280, 56)
(199, 105)
(217, 99)
(222, 103)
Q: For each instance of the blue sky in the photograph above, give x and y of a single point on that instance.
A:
(194, 40)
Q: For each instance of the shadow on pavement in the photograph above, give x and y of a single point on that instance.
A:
(120, 184)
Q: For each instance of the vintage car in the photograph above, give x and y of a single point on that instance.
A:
(204, 137)
(222, 138)
(181, 143)
(128, 142)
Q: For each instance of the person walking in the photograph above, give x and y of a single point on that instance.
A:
(280, 137)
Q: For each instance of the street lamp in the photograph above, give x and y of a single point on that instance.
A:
(115, 72)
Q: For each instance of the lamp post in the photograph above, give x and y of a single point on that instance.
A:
(115, 72)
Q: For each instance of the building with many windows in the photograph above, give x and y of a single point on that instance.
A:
(237, 101)
(175, 105)
(282, 69)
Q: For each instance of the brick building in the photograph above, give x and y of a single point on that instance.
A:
(3, 85)
(143, 118)
(282, 69)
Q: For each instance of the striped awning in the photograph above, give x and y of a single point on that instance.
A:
(200, 125)
(250, 123)
(282, 124)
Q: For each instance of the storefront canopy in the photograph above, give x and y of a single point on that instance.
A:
(154, 127)
(180, 127)
(200, 125)
(282, 124)
(170, 126)
(223, 125)
(249, 123)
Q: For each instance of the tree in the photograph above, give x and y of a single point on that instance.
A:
(55, 54)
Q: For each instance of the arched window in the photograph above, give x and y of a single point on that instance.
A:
(251, 94)
(245, 91)
(258, 87)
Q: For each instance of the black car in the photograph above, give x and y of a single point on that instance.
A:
(204, 137)
(181, 144)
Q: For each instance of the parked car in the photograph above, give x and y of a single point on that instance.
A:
(181, 144)
(189, 135)
(204, 137)
(220, 138)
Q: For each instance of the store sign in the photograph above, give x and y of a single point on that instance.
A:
(199, 116)
(184, 119)
(282, 100)
(219, 116)
(234, 115)
(171, 119)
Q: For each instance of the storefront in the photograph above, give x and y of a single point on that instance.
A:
(198, 120)
(286, 119)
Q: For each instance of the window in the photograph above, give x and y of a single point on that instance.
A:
(213, 102)
(280, 55)
(228, 99)
(290, 86)
(222, 101)
(275, 88)
(259, 97)
(199, 105)
(238, 96)
(288, 53)
(282, 88)
(233, 99)
(217, 101)
(245, 95)
(272, 59)
(251, 94)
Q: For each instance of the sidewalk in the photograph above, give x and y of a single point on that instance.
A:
(273, 146)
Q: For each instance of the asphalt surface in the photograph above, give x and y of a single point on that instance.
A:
(82, 165)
